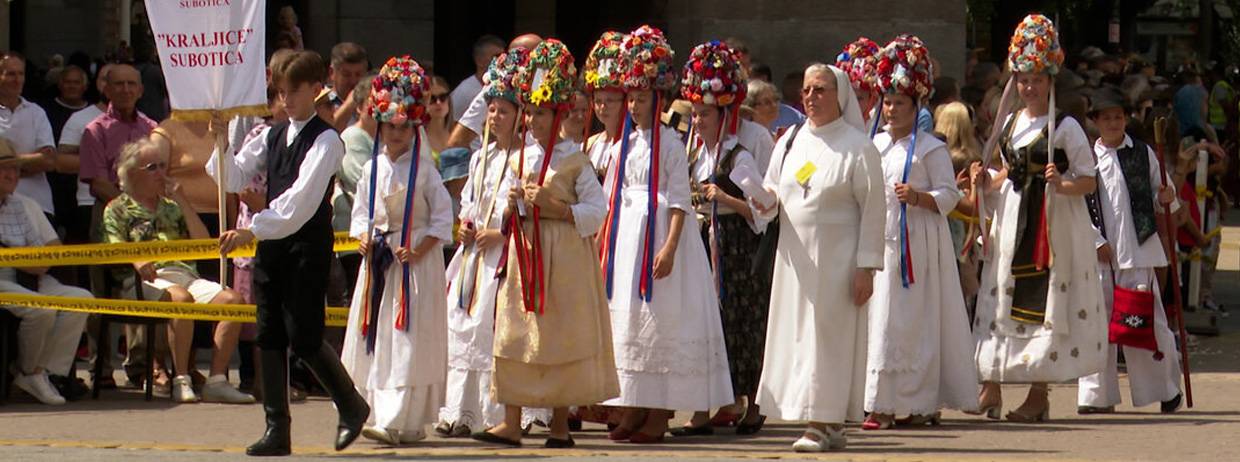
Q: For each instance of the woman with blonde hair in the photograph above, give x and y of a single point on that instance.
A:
(955, 122)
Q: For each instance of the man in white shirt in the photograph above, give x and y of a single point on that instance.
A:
(69, 144)
(485, 49)
(469, 126)
(48, 339)
(26, 126)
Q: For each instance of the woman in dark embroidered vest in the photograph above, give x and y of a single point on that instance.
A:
(1040, 315)
(717, 163)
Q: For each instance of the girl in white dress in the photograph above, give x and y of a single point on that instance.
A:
(1040, 316)
(472, 273)
(601, 74)
(920, 349)
(664, 312)
(395, 346)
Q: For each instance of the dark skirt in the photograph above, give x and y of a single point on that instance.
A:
(744, 301)
(1029, 294)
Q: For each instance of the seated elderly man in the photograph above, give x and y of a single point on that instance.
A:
(150, 208)
(47, 339)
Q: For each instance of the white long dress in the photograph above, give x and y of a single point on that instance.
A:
(1070, 342)
(471, 328)
(669, 352)
(814, 360)
(403, 379)
(920, 349)
(1151, 379)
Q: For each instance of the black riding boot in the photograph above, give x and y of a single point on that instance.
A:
(276, 441)
(325, 364)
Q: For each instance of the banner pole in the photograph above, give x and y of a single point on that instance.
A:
(221, 198)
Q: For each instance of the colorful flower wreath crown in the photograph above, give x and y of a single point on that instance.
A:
(397, 92)
(1035, 46)
(547, 76)
(904, 67)
(502, 73)
(859, 62)
(713, 75)
(602, 68)
(647, 61)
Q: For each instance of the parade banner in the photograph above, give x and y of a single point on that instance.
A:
(129, 252)
(335, 317)
(212, 53)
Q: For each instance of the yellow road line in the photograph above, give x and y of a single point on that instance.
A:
(426, 450)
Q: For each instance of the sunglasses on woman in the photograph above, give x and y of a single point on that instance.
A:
(153, 166)
(439, 98)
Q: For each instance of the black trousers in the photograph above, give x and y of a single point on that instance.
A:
(290, 287)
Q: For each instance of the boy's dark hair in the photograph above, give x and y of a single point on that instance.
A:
(348, 52)
(302, 67)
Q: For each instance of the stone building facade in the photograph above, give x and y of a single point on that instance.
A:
(784, 34)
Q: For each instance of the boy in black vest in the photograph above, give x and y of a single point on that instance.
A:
(294, 234)
(1130, 199)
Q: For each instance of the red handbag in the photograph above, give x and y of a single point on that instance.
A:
(1132, 319)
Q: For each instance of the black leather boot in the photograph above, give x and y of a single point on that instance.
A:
(325, 364)
(276, 441)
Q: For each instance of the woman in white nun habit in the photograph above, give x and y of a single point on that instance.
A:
(828, 181)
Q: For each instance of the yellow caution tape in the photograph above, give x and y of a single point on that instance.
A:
(336, 317)
(956, 215)
(98, 254)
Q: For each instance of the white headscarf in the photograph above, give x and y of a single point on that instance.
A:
(850, 110)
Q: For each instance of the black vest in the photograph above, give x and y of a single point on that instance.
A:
(1134, 162)
(723, 172)
(284, 163)
(1028, 163)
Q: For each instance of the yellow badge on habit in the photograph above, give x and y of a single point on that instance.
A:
(805, 173)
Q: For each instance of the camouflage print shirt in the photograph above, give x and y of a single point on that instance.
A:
(126, 220)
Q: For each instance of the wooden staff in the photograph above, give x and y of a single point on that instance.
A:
(222, 201)
(1176, 309)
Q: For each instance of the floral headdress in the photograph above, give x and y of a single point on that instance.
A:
(1035, 46)
(904, 67)
(713, 76)
(397, 93)
(859, 62)
(602, 68)
(647, 61)
(502, 73)
(547, 76)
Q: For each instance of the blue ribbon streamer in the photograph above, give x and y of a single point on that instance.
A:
(414, 161)
(905, 267)
(652, 208)
(376, 269)
(878, 116)
(617, 192)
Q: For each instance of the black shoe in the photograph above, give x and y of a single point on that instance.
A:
(556, 443)
(743, 428)
(72, 389)
(1172, 404)
(688, 430)
(1085, 410)
(488, 437)
(276, 441)
(353, 410)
